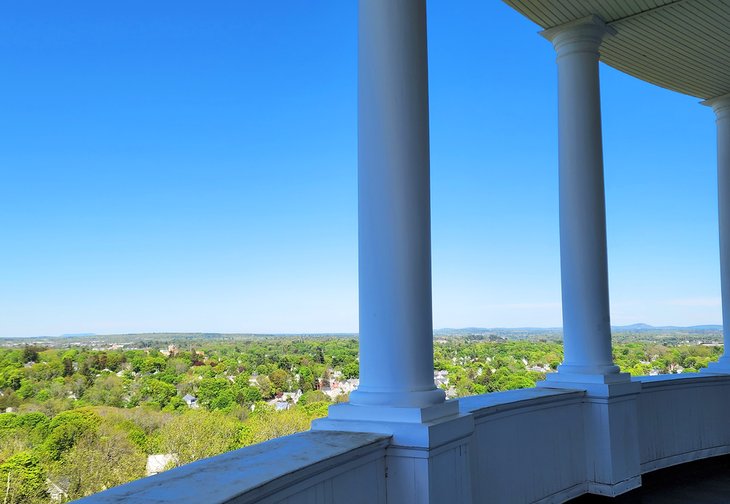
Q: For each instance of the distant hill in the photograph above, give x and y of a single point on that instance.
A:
(632, 327)
(647, 327)
(479, 330)
(709, 333)
(626, 328)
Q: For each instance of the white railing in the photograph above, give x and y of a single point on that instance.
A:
(316, 467)
(527, 446)
(683, 418)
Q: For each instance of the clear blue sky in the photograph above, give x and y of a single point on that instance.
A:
(191, 166)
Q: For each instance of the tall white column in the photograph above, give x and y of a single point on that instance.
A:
(396, 333)
(611, 427)
(397, 395)
(721, 106)
(583, 261)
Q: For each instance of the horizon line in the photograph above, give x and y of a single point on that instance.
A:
(638, 325)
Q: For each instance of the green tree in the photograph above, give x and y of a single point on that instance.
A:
(306, 379)
(351, 370)
(66, 428)
(101, 459)
(313, 396)
(30, 354)
(216, 393)
(278, 379)
(157, 392)
(265, 424)
(23, 479)
(197, 434)
(264, 384)
(106, 391)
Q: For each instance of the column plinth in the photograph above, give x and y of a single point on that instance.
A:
(721, 107)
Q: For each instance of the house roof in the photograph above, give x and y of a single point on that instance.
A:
(682, 45)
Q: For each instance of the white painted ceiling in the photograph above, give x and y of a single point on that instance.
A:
(682, 45)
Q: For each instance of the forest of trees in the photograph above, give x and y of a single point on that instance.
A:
(79, 420)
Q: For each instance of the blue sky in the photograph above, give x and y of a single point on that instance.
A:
(188, 166)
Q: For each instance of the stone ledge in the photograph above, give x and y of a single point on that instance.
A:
(251, 473)
(496, 402)
(681, 380)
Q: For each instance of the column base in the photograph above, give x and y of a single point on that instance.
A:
(414, 427)
(428, 398)
(722, 366)
(572, 369)
(599, 385)
(428, 444)
(380, 413)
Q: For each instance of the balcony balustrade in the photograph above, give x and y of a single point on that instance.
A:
(527, 445)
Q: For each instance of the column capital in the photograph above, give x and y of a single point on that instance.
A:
(582, 35)
(720, 104)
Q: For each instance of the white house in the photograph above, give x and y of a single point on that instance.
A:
(159, 462)
(191, 401)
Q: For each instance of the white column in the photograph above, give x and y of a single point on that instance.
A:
(583, 261)
(610, 412)
(396, 333)
(721, 106)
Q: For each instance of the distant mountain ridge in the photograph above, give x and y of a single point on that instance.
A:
(647, 327)
(502, 332)
(639, 327)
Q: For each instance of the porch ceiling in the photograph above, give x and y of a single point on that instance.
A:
(682, 45)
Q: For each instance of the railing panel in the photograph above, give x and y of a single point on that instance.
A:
(528, 446)
(683, 418)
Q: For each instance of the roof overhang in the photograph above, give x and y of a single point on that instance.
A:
(682, 45)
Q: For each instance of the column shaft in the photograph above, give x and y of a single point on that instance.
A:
(583, 258)
(723, 200)
(396, 333)
(721, 106)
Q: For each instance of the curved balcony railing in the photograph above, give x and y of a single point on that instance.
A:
(527, 446)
